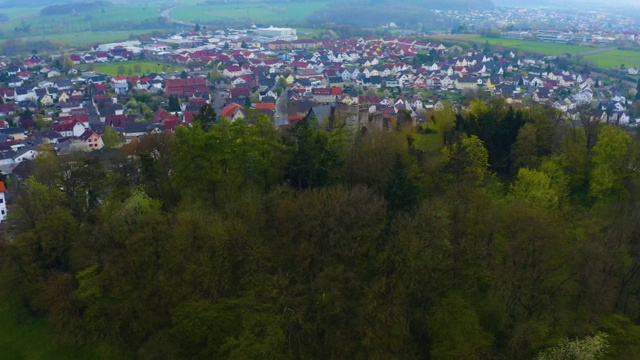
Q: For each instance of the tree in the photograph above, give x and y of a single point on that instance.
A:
(401, 194)
(525, 149)
(206, 117)
(611, 162)
(590, 124)
(445, 122)
(312, 156)
(40, 122)
(173, 103)
(589, 348)
(467, 159)
(196, 28)
(121, 70)
(535, 188)
(455, 331)
(110, 138)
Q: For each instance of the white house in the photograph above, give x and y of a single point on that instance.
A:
(3, 202)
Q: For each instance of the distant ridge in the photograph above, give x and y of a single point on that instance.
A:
(371, 13)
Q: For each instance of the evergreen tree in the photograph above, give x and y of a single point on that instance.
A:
(173, 104)
(401, 194)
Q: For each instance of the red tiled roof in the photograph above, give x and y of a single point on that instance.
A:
(265, 106)
(230, 110)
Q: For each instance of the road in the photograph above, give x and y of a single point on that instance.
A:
(596, 51)
(167, 15)
(281, 109)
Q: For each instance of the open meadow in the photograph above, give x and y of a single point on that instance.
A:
(615, 58)
(538, 47)
(84, 39)
(132, 68)
(262, 13)
(100, 24)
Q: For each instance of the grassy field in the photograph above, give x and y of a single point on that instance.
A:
(130, 67)
(113, 21)
(308, 33)
(87, 37)
(534, 46)
(611, 59)
(263, 13)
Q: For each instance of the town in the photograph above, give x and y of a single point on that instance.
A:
(368, 82)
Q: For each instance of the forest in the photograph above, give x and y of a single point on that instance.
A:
(515, 237)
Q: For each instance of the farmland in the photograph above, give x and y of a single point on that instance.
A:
(85, 38)
(615, 58)
(538, 47)
(264, 13)
(108, 23)
(132, 68)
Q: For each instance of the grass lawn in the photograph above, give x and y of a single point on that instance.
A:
(430, 142)
(611, 59)
(130, 67)
(534, 46)
(263, 13)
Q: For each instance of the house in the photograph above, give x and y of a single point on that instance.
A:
(3, 202)
(24, 154)
(7, 109)
(326, 95)
(93, 140)
(121, 88)
(467, 83)
(135, 130)
(53, 73)
(233, 112)
(46, 100)
(186, 87)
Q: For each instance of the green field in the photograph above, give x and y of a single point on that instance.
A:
(88, 37)
(308, 33)
(534, 46)
(615, 58)
(258, 12)
(130, 68)
(117, 22)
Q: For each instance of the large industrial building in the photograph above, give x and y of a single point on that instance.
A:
(273, 34)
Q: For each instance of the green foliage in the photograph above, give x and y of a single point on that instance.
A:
(313, 153)
(589, 348)
(237, 240)
(456, 332)
(535, 188)
(110, 138)
(467, 159)
(611, 158)
(401, 194)
(174, 104)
